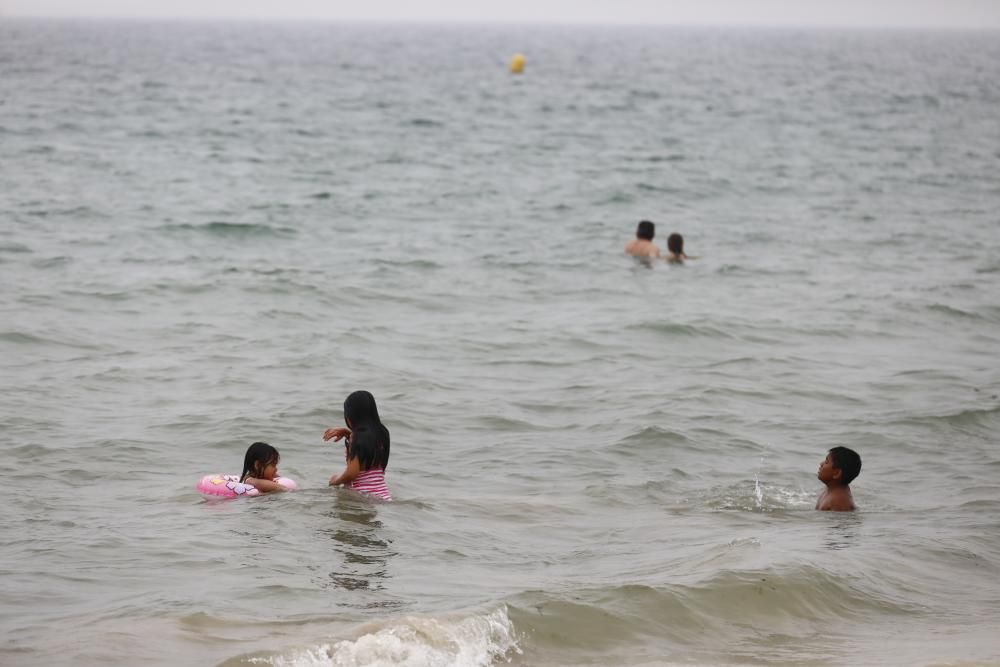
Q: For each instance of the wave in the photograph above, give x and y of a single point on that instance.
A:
(973, 417)
(954, 312)
(268, 206)
(982, 505)
(14, 248)
(476, 640)
(989, 268)
(78, 211)
(647, 187)
(500, 424)
(424, 122)
(653, 435)
(390, 264)
(22, 338)
(617, 198)
(771, 362)
(232, 229)
(19, 337)
(739, 270)
(52, 262)
(673, 329)
(303, 132)
(728, 608)
(106, 296)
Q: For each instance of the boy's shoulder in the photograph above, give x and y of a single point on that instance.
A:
(838, 499)
(642, 248)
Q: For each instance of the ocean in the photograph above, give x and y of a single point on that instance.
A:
(212, 233)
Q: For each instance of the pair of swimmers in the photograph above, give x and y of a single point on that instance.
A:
(642, 245)
(841, 464)
(366, 452)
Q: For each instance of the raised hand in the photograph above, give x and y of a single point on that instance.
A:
(336, 433)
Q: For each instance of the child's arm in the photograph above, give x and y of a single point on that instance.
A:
(264, 485)
(352, 470)
(336, 433)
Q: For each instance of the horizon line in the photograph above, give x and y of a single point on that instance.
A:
(481, 22)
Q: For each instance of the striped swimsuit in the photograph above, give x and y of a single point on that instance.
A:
(372, 482)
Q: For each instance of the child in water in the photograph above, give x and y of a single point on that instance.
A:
(675, 249)
(260, 467)
(366, 443)
(837, 471)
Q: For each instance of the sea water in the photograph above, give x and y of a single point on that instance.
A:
(211, 233)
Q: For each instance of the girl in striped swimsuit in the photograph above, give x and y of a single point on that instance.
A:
(366, 444)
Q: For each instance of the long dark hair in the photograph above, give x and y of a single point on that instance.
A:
(675, 244)
(369, 441)
(259, 453)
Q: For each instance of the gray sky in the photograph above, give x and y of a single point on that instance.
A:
(867, 13)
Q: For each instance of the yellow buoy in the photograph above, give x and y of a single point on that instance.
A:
(517, 64)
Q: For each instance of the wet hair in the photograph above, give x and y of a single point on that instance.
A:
(259, 453)
(646, 230)
(848, 461)
(369, 441)
(675, 244)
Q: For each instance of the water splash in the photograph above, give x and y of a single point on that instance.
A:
(757, 490)
(473, 641)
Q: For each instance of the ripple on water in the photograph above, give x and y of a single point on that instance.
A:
(678, 330)
(230, 230)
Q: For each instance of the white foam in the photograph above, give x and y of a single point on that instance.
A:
(472, 641)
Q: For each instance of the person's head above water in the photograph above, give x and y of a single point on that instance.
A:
(675, 244)
(258, 461)
(360, 409)
(840, 467)
(645, 231)
(369, 441)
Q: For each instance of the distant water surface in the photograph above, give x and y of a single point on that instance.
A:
(211, 233)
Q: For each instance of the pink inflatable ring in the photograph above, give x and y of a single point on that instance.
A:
(230, 486)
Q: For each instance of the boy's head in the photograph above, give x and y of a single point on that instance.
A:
(645, 231)
(840, 466)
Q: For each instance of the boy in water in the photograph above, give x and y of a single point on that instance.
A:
(837, 471)
(642, 245)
